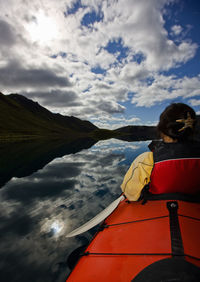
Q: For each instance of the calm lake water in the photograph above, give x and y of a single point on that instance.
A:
(47, 191)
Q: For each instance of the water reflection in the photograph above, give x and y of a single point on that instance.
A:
(24, 158)
(53, 227)
(38, 210)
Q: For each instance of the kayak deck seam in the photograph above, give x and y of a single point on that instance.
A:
(139, 254)
(146, 219)
(190, 217)
(135, 221)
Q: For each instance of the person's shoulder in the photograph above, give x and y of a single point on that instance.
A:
(155, 144)
(145, 157)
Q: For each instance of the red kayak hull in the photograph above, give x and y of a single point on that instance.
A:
(138, 235)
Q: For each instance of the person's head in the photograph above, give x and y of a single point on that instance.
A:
(177, 122)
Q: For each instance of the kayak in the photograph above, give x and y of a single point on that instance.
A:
(154, 241)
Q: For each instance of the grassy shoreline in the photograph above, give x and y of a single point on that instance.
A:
(96, 135)
(15, 138)
(12, 138)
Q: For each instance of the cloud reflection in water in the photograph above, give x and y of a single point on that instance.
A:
(37, 211)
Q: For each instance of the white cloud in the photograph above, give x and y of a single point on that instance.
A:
(195, 102)
(115, 122)
(166, 88)
(44, 38)
(176, 29)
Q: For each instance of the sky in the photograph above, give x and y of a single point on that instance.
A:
(113, 62)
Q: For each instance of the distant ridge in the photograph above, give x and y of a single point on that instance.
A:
(20, 116)
(23, 119)
(142, 132)
(137, 132)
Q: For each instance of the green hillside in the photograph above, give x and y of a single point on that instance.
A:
(21, 118)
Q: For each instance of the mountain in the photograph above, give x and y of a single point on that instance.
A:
(20, 116)
(22, 119)
(136, 133)
(139, 133)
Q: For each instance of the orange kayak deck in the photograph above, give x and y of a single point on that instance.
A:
(134, 237)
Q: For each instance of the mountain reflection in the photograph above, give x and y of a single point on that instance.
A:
(23, 158)
(38, 210)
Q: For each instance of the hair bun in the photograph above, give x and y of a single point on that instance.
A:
(178, 121)
(188, 122)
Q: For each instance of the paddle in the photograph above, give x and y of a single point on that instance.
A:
(97, 219)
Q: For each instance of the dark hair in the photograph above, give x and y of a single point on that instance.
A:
(174, 122)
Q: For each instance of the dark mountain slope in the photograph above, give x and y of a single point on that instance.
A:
(21, 116)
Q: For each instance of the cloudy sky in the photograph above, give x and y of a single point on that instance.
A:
(113, 62)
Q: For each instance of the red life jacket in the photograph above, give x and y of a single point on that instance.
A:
(176, 168)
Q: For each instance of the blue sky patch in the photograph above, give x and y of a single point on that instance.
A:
(92, 17)
(98, 70)
(62, 54)
(139, 58)
(116, 46)
(76, 6)
(54, 56)
(150, 51)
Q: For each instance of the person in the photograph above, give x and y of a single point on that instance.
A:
(173, 165)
